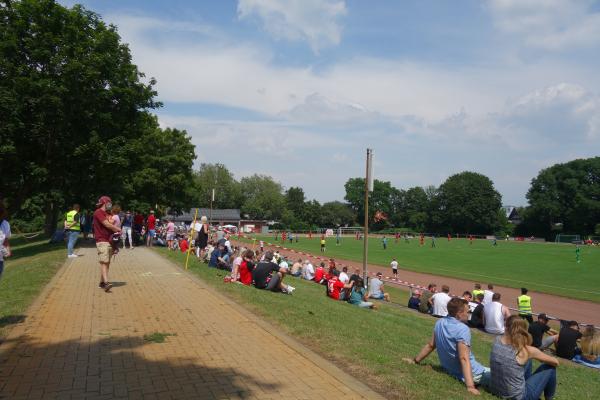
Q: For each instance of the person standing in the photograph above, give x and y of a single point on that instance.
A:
(170, 234)
(127, 227)
(384, 242)
(151, 225)
(103, 231)
(524, 305)
(394, 265)
(432, 241)
(578, 254)
(322, 243)
(5, 234)
(72, 229)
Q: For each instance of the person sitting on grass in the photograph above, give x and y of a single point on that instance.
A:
(537, 330)
(415, 300)
(335, 287)
(590, 346)
(308, 271)
(488, 294)
(439, 302)
(344, 275)
(566, 344)
(495, 315)
(320, 274)
(376, 289)
(511, 365)
(477, 318)
(425, 306)
(358, 295)
(356, 276)
(246, 267)
(268, 275)
(452, 340)
(217, 258)
(296, 268)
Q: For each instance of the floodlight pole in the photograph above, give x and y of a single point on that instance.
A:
(212, 198)
(368, 187)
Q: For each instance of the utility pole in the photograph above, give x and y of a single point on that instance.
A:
(368, 188)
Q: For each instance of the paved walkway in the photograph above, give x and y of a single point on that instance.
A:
(81, 343)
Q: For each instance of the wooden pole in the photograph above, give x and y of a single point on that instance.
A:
(187, 257)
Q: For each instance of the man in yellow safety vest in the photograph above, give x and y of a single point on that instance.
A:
(524, 303)
(72, 229)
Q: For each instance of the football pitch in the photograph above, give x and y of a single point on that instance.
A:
(543, 267)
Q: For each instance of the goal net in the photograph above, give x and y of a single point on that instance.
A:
(560, 238)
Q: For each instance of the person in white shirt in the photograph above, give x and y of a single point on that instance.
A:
(495, 314)
(284, 264)
(440, 302)
(344, 278)
(487, 295)
(394, 265)
(5, 234)
(309, 271)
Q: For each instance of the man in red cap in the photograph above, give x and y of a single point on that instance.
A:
(103, 231)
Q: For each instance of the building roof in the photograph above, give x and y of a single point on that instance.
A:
(225, 215)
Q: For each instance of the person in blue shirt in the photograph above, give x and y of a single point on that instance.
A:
(452, 340)
(384, 242)
(415, 300)
(217, 258)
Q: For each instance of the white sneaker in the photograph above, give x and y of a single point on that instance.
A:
(290, 289)
(72, 256)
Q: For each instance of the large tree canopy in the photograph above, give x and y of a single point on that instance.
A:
(73, 115)
(468, 203)
(565, 198)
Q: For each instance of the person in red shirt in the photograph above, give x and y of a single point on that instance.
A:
(335, 288)
(183, 245)
(103, 230)
(320, 273)
(449, 237)
(246, 268)
(151, 223)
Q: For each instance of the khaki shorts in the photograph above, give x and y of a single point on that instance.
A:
(105, 251)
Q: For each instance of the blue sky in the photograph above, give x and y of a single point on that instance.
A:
(299, 89)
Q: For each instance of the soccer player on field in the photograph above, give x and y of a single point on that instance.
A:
(322, 243)
(421, 240)
(449, 237)
(578, 254)
(470, 239)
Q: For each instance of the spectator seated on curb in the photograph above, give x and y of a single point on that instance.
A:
(356, 276)
(452, 340)
(344, 275)
(246, 267)
(268, 275)
(335, 287)
(566, 344)
(358, 295)
(425, 306)
(439, 302)
(495, 314)
(217, 258)
(477, 318)
(415, 300)
(537, 329)
(376, 289)
(511, 365)
(320, 274)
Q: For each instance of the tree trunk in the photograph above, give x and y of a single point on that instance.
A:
(51, 218)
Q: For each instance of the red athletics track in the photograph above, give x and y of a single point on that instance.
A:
(556, 306)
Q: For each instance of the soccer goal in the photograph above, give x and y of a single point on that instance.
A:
(560, 238)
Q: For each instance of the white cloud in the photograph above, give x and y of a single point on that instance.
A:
(549, 24)
(313, 21)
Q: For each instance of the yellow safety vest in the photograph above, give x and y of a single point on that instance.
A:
(476, 292)
(71, 218)
(524, 304)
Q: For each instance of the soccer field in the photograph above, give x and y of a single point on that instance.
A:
(543, 267)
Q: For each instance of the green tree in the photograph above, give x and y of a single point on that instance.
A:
(415, 207)
(216, 176)
(567, 194)
(336, 213)
(294, 200)
(73, 111)
(468, 203)
(262, 197)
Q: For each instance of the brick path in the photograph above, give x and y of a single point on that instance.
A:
(81, 343)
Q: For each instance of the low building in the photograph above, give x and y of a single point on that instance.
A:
(222, 217)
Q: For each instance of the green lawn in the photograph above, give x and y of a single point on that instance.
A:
(33, 264)
(371, 344)
(544, 267)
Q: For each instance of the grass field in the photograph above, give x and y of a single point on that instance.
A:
(33, 263)
(544, 267)
(371, 344)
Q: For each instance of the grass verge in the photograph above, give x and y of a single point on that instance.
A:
(370, 344)
(30, 268)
